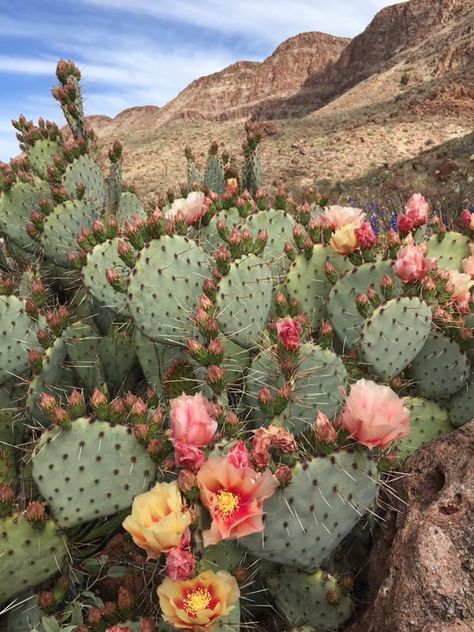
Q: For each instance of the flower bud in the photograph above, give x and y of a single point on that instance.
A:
(283, 474)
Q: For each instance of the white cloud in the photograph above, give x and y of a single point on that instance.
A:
(270, 20)
(10, 64)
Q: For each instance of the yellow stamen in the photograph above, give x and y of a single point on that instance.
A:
(197, 600)
(227, 503)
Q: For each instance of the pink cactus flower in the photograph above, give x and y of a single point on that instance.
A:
(289, 333)
(412, 265)
(324, 429)
(366, 238)
(180, 564)
(374, 415)
(238, 455)
(192, 420)
(188, 456)
(417, 209)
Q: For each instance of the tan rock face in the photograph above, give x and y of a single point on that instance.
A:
(422, 569)
(246, 88)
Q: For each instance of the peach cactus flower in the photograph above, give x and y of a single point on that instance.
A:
(468, 263)
(234, 497)
(199, 603)
(192, 207)
(374, 415)
(459, 286)
(159, 520)
(339, 216)
(344, 239)
(192, 420)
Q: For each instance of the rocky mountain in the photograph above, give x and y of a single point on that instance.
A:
(342, 107)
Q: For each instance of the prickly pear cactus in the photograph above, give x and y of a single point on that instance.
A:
(201, 395)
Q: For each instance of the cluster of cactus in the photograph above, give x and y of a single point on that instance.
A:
(180, 440)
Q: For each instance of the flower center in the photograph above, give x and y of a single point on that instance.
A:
(227, 503)
(197, 600)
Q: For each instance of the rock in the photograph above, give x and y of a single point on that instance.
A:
(421, 576)
(447, 169)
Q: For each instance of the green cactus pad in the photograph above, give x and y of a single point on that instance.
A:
(394, 334)
(224, 556)
(307, 283)
(17, 337)
(214, 177)
(164, 288)
(82, 342)
(26, 617)
(461, 406)
(90, 471)
(279, 226)
(28, 556)
(101, 258)
(244, 299)
(441, 368)
(118, 359)
(303, 599)
(49, 380)
(449, 252)
(317, 384)
(61, 228)
(427, 421)
(208, 236)
(129, 208)
(85, 171)
(41, 155)
(342, 308)
(15, 212)
(308, 518)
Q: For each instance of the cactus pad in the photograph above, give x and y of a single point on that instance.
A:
(307, 519)
(279, 226)
(15, 212)
(244, 299)
(427, 421)
(441, 368)
(17, 337)
(317, 383)
(461, 406)
(394, 334)
(61, 228)
(28, 556)
(85, 171)
(101, 258)
(164, 288)
(129, 208)
(41, 155)
(304, 599)
(342, 308)
(307, 283)
(450, 251)
(80, 471)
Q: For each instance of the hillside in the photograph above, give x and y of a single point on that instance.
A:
(341, 108)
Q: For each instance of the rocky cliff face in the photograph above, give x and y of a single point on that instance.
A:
(246, 88)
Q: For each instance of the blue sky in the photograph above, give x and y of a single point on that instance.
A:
(143, 52)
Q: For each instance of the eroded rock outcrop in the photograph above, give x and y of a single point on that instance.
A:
(422, 565)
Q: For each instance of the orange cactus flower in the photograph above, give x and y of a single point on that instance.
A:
(199, 603)
(234, 498)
